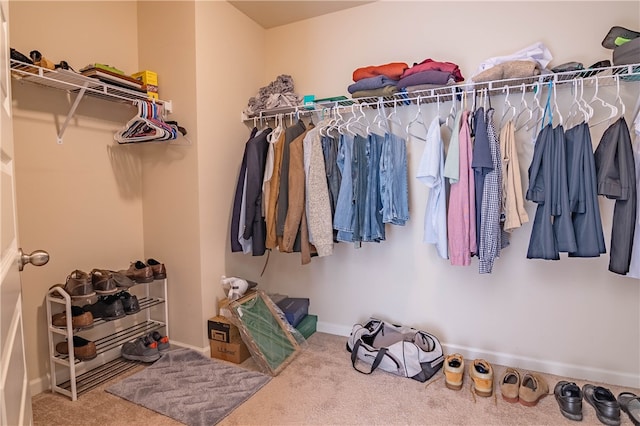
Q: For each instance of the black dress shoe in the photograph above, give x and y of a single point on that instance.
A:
(569, 397)
(605, 404)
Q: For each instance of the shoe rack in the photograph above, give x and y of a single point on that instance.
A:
(71, 376)
(78, 84)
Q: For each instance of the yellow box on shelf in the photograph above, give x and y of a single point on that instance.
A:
(150, 79)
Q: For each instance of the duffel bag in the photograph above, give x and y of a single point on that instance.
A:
(400, 350)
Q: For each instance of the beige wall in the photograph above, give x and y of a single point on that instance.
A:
(571, 317)
(229, 65)
(81, 200)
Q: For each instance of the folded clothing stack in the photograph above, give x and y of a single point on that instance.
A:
(376, 80)
(277, 94)
(430, 74)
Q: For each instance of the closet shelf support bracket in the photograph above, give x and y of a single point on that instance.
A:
(72, 111)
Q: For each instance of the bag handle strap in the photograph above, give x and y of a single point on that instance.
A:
(376, 362)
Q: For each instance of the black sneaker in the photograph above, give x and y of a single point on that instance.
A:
(108, 308)
(142, 349)
(129, 302)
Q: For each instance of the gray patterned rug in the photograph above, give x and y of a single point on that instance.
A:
(190, 387)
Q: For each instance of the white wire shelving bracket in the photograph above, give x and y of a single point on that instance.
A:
(605, 76)
(78, 84)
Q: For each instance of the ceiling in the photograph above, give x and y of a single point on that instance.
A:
(269, 14)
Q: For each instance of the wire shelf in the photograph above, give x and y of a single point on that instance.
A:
(605, 76)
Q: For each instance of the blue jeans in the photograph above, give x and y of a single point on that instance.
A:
(373, 227)
(342, 220)
(394, 187)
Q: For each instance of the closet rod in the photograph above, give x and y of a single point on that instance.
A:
(446, 93)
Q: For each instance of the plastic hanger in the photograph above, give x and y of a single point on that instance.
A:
(555, 104)
(618, 98)
(142, 128)
(392, 117)
(451, 117)
(539, 109)
(418, 120)
(613, 110)
(509, 110)
(524, 108)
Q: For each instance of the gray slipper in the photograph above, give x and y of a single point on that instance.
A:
(617, 36)
(630, 404)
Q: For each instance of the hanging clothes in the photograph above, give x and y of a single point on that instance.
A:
(394, 187)
(461, 217)
(342, 220)
(491, 240)
(254, 159)
(295, 224)
(583, 195)
(513, 200)
(291, 133)
(615, 169)
(562, 225)
(334, 177)
(237, 213)
(431, 173)
(452, 163)
(318, 204)
(481, 163)
(373, 229)
(274, 191)
(634, 266)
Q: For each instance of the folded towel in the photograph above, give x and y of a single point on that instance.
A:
(510, 69)
(425, 77)
(385, 91)
(371, 83)
(430, 64)
(393, 70)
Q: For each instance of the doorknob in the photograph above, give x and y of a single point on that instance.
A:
(37, 258)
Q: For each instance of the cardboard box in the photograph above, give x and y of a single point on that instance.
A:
(222, 330)
(294, 309)
(308, 325)
(150, 79)
(235, 351)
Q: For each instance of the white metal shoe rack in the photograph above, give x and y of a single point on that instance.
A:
(72, 377)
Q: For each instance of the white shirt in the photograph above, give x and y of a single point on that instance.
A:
(431, 173)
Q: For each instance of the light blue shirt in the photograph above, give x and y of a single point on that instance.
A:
(431, 173)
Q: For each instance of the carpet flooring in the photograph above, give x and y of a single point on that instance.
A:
(320, 387)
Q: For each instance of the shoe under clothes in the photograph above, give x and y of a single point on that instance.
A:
(569, 398)
(532, 389)
(143, 349)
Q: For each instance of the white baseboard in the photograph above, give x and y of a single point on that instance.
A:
(578, 372)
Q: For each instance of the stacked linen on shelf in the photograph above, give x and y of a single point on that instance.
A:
(376, 80)
(429, 74)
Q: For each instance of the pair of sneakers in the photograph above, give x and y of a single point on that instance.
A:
(481, 373)
(147, 348)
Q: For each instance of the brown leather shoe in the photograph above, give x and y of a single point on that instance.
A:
(83, 349)
(139, 272)
(103, 282)
(159, 271)
(79, 284)
(79, 318)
